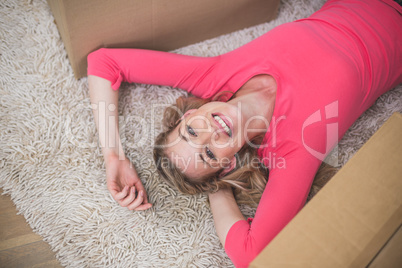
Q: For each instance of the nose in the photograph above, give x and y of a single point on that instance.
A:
(208, 132)
(212, 133)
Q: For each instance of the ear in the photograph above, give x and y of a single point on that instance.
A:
(186, 114)
(229, 168)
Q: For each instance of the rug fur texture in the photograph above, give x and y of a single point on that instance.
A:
(52, 167)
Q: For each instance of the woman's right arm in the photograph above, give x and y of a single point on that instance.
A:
(104, 102)
(190, 73)
(122, 179)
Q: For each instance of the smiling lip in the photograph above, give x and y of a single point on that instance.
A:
(227, 122)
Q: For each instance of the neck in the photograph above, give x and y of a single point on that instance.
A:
(257, 100)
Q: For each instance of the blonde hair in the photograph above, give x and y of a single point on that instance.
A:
(248, 180)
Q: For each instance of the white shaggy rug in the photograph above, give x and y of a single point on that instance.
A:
(52, 167)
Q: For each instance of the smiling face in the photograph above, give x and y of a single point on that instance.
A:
(206, 140)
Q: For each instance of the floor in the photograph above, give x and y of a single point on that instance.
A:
(19, 246)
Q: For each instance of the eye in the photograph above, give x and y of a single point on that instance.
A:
(191, 131)
(210, 154)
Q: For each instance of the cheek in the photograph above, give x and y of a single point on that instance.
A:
(227, 147)
(227, 154)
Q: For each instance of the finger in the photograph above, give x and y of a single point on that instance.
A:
(140, 188)
(137, 201)
(113, 188)
(145, 198)
(114, 192)
(120, 195)
(143, 207)
(129, 199)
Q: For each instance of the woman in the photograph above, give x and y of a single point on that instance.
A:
(300, 87)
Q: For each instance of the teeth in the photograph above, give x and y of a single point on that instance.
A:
(223, 124)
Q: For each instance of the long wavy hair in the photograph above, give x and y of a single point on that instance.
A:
(247, 180)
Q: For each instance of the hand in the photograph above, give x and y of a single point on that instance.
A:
(123, 183)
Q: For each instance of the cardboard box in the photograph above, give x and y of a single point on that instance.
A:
(349, 223)
(163, 25)
(391, 255)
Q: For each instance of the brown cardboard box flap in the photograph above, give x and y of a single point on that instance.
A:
(164, 25)
(352, 217)
(390, 255)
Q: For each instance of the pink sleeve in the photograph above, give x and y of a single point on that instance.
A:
(284, 195)
(189, 73)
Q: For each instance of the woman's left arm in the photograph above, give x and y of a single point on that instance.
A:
(284, 195)
(225, 212)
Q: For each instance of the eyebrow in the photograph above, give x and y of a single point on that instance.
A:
(186, 139)
(182, 136)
